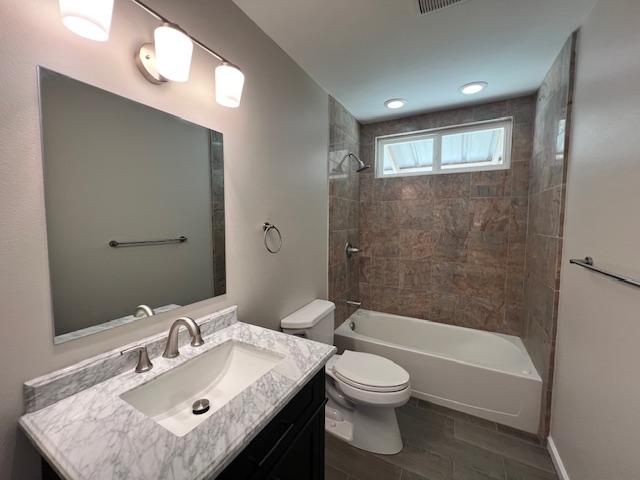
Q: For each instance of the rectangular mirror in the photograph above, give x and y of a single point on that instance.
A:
(134, 204)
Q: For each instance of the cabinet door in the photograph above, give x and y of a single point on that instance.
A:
(304, 460)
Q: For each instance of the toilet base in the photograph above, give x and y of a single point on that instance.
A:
(374, 429)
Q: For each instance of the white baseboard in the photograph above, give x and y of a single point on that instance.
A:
(557, 461)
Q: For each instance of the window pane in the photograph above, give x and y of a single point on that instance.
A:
(480, 146)
(409, 156)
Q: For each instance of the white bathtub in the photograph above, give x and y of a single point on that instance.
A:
(485, 374)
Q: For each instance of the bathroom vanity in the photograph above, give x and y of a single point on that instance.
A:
(100, 419)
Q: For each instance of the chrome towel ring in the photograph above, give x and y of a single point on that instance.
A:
(268, 227)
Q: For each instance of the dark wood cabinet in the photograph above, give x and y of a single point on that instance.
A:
(290, 447)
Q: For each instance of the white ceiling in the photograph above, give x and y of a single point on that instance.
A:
(364, 52)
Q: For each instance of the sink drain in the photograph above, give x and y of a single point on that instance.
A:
(200, 406)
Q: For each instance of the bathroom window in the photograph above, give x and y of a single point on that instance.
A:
(463, 148)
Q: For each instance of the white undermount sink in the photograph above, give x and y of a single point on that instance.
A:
(217, 375)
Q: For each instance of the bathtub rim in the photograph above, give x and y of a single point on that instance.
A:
(344, 330)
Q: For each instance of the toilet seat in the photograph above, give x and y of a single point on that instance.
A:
(371, 373)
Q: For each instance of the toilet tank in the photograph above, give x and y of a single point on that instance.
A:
(313, 321)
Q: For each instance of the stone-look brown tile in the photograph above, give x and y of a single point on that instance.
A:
(417, 187)
(542, 260)
(464, 221)
(364, 290)
(338, 213)
(452, 215)
(539, 304)
(337, 242)
(516, 256)
(474, 313)
(454, 185)
(451, 246)
(386, 272)
(387, 189)
(366, 187)
(441, 307)
(544, 212)
(413, 303)
(412, 214)
(344, 210)
(518, 220)
(377, 215)
(539, 347)
(490, 215)
(415, 274)
(488, 239)
(416, 244)
(386, 243)
(495, 183)
(366, 269)
(520, 179)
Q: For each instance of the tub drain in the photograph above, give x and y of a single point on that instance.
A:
(200, 406)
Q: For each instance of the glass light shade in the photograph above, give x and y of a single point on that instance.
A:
(229, 83)
(173, 52)
(88, 18)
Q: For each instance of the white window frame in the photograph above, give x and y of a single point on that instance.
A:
(436, 134)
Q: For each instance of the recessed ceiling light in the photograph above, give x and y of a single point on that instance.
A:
(473, 88)
(395, 103)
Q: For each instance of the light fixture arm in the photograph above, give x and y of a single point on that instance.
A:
(163, 19)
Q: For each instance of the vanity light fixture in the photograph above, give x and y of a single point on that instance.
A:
(395, 103)
(89, 19)
(229, 83)
(168, 58)
(473, 88)
(173, 52)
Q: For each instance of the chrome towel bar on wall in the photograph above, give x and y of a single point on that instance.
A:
(587, 263)
(144, 243)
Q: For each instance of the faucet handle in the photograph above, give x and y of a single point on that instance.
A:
(143, 311)
(144, 364)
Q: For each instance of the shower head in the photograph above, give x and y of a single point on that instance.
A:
(361, 164)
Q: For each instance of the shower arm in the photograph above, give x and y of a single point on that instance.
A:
(361, 164)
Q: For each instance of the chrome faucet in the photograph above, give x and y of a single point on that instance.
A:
(353, 303)
(171, 349)
(144, 364)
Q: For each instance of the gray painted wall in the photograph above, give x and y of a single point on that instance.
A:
(595, 419)
(119, 170)
(276, 147)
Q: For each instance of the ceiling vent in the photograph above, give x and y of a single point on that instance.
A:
(430, 6)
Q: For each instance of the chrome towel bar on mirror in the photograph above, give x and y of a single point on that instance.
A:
(142, 243)
(587, 262)
(267, 227)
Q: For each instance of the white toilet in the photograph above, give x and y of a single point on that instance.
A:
(363, 389)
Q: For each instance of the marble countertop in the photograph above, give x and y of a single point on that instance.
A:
(94, 434)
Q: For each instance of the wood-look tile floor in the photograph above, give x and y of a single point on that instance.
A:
(442, 444)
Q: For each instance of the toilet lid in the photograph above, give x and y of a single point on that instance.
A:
(370, 372)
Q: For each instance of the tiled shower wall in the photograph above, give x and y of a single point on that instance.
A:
(546, 215)
(344, 208)
(448, 248)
